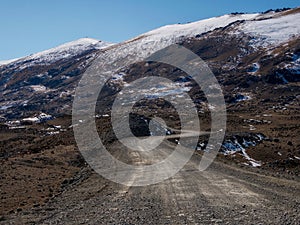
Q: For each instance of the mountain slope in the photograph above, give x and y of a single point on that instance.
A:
(258, 70)
(4, 62)
(255, 58)
(64, 51)
(52, 69)
(53, 73)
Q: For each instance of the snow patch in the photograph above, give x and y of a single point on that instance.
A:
(5, 62)
(273, 31)
(242, 97)
(16, 127)
(191, 29)
(63, 51)
(239, 144)
(255, 67)
(5, 107)
(40, 118)
(38, 88)
(52, 132)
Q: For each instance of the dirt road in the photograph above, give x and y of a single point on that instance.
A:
(223, 194)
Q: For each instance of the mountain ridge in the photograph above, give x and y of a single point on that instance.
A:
(222, 20)
(258, 77)
(255, 176)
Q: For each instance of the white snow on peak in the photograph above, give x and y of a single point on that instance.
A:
(67, 50)
(5, 62)
(152, 41)
(274, 31)
(167, 34)
(39, 118)
(199, 27)
(266, 31)
(38, 88)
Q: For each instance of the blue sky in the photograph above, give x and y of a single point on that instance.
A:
(29, 26)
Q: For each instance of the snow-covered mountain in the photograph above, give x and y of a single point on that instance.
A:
(270, 28)
(67, 50)
(173, 32)
(4, 62)
(64, 51)
(273, 31)
(266, 29)
(31, 83)
(273, 28)
(255, 57)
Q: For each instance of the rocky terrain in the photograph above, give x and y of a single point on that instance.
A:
(255, 58)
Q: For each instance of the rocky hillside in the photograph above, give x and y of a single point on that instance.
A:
(49, 77)
(243, 50)
(255, 58)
